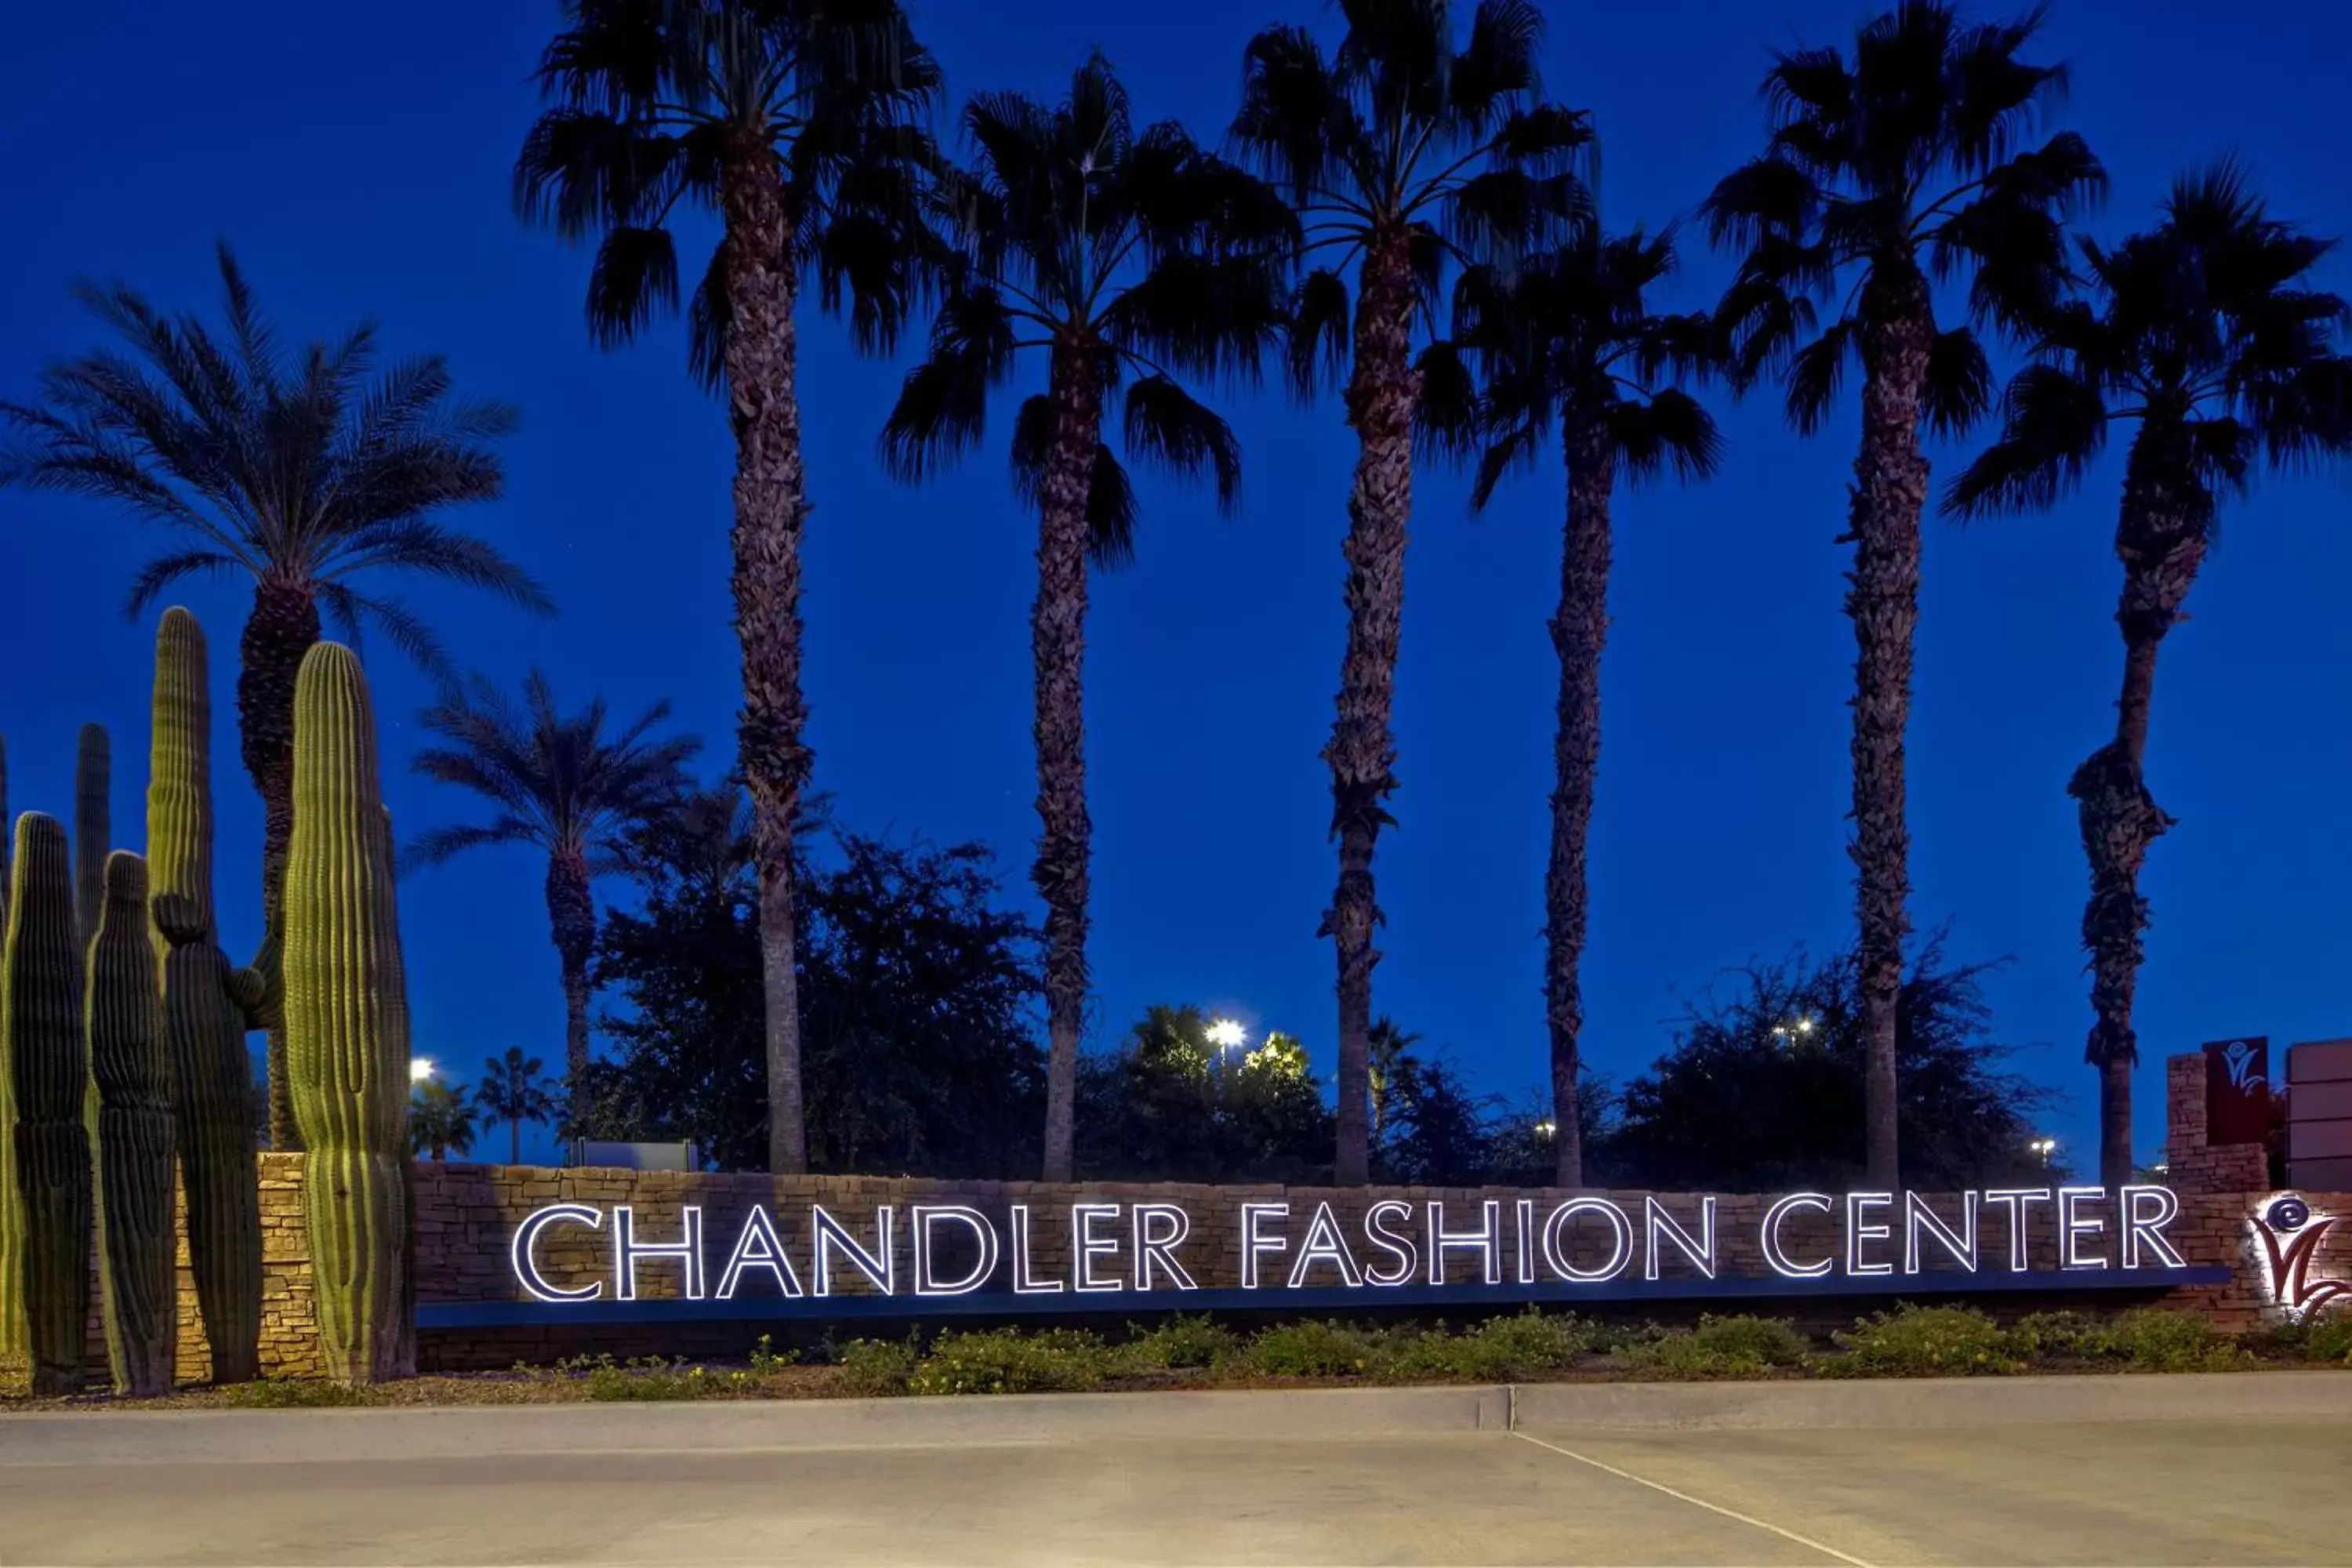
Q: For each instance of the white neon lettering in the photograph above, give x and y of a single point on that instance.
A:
(1325, 1244)
(2073, 1227)
(1918, 1217)
(920, 1220)
(523, 1251)
(1253, 1243)
(627, 1249)
(832, 1237)
(1397, 1243)
(2149, 1227)
(1856, 1232)
(1023, 1284)
(1558, 1260)
(1524, 1248)
(757, 1246)
(1486, 1241)
(2016, 1199)
(1086, 1245)
(1657, 1224)
(1770, 1235)
(1153, 1252)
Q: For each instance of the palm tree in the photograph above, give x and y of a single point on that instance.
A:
(316, 472)
(1571, 349)
(564, 786)
(513, 1090)
(1387, 1047)
(2206, 333)
(1129, 259)
(440, 1121)
(795, 122)
(1398, 152)
(1885, 173)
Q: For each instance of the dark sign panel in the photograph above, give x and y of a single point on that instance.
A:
(2238, 1089)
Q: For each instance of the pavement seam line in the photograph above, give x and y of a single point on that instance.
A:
(1804, 1541)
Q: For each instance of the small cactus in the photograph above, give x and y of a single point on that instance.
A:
(207, 1008)
(49, 1072)
(347, 1026)
(124, 1015)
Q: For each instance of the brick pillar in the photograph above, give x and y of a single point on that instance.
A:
(2194, 1165)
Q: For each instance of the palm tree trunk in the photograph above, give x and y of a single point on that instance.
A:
(1579, 630)
(1057, 641)
(281, 629)
(571, 919)
(1890, 488)
(514, 1136)
(2162, 549)
(770, 508)
(1381, 394)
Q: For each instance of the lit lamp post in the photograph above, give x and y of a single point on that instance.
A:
(420, 1068)
(2044, 1147)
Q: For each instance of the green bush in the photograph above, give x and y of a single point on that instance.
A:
(876, 1368)
(642, 1378)
(1923, 1342)
(1735, 1346)
(2064, 1336)
(1311, 1349)
(1184, 1341)
(298, 1394)
(1503, 1348)
(767, 1361)
(2174, 1341)
(1005, 1360)
(2330, 1338)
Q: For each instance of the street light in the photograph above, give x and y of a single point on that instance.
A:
(1545, 1129)
(1227, 1033)
(2044, 1147)
(419, 1069)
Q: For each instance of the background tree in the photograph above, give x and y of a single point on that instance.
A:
(1129, 259)
(513, 1089)
(918, 989)
(563, 785)
(316, 473)
(1168, 1105)
(1763, 1089)
(798, 123)
(2206, 333)
(1887, 170)
(440, 1121)
(1398, 152)
(1385, 1048)
(1568, 346)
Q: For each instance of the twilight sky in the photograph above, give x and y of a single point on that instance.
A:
(358, 158)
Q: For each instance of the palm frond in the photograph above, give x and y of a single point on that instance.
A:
(1167, 428)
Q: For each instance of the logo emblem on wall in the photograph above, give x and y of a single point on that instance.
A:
(2240, 1058)
(2291, 1234)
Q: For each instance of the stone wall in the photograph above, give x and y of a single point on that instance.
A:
(466, 1216)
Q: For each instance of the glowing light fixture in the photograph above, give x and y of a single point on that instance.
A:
(1227, 1033)
(419, 1069)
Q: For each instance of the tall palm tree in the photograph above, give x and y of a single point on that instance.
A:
(1399, 152)
(1130, 259)
(513, 1090)
(440, 1121)
(796, 121)
(317, 472)
(1886, 172)
(566, 786)
(1570, 349)
(2205, 332)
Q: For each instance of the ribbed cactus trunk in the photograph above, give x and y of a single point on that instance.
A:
(347, 1026)
(124, 1016)
(12, 1207)
(207, 1008)
(93, 826)
(48, 1070)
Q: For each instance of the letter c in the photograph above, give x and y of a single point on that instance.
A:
(526, 1239)
(1771, 1236)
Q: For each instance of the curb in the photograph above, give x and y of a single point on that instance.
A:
(286, 1436)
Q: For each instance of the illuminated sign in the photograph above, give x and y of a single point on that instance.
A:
(2289, 1234)
(955, 1256)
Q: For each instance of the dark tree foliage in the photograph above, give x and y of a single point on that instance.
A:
(1763, 1091)
(1170, 1106)
(915, 992)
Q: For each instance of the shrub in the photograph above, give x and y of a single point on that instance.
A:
(298, 1394)
(1184, 1340)
(1735, 1346)
(2330, 1338)
(1004, 1361)
(1310, 1349)
(876, 1368)
(606, 1381)
(2174, 1341)
(2068, 1335)
(1516, 1346)
(767, 1361)
(1923, 1342)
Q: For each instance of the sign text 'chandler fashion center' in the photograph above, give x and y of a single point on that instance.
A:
(1549, 1246)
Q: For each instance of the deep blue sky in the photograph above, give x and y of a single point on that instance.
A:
(358, 158)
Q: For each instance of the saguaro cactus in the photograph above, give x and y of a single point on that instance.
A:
(124, 1015)
(93, 826)
(49, 1071)
(207, 1008)
(347, 1026)
(11, 1210)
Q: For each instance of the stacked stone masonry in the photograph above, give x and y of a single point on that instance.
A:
(466, 1217)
